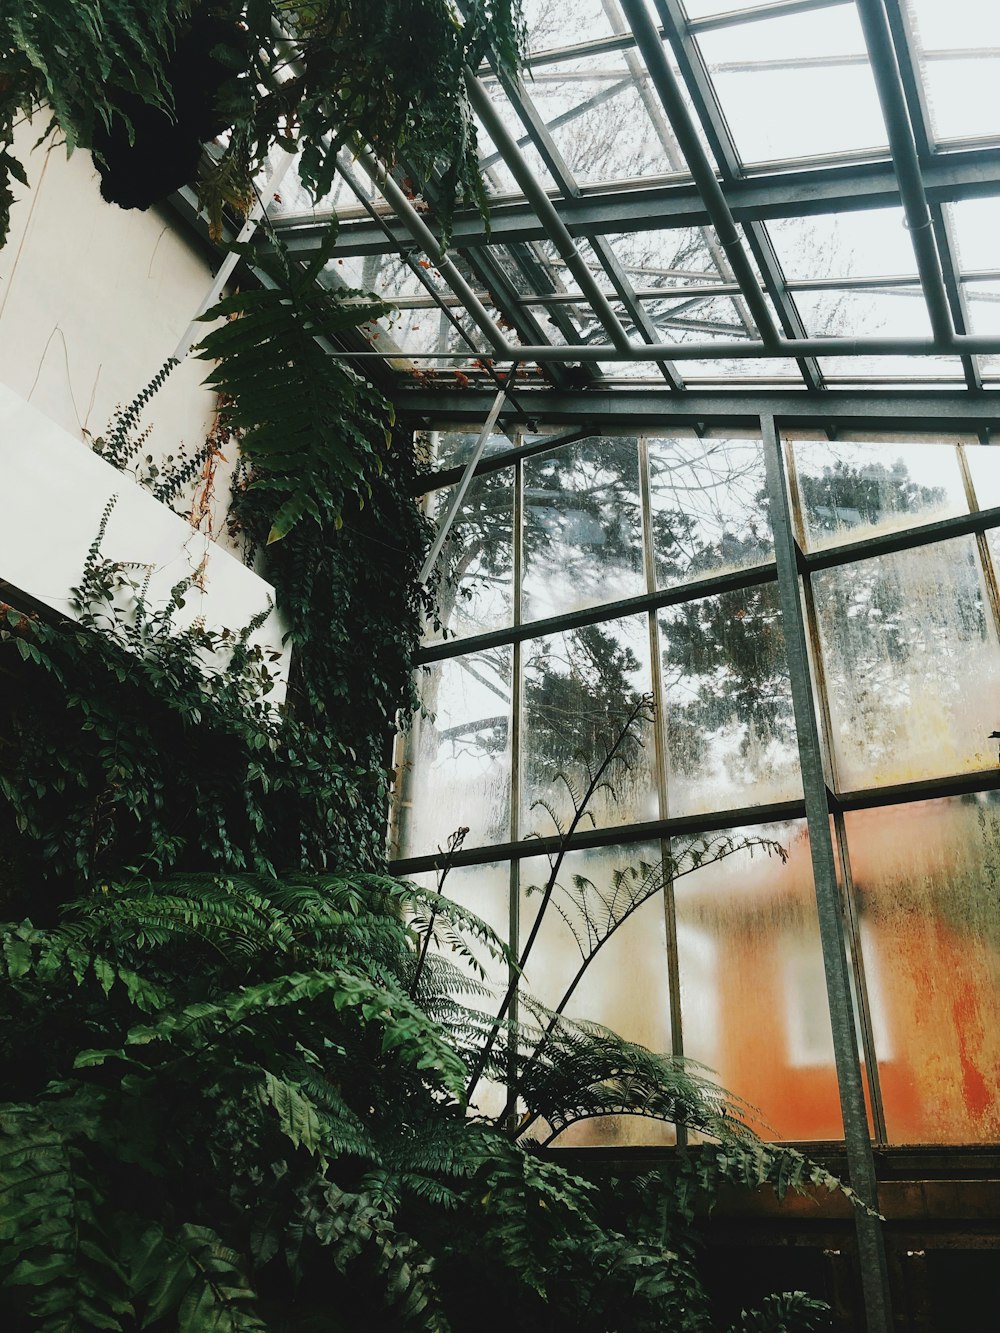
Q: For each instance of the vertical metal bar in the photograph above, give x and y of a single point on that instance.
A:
(514, 906)
(458, 495)
(660, 743)
(543, 206)
(860, 981)
(888, 83)
(861, 1163)
(985, 554)
(539, 134)
(706, 103)
(662, 77)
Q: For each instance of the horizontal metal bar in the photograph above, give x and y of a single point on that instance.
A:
(653, 829)
(906, 539)
(783, 190)
(736, 349)
(655, 407)
(927, 789)
(732, 581)
(868, 798)
(777, 9)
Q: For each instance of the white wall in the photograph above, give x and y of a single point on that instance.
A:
(93, 299)
(55, 491)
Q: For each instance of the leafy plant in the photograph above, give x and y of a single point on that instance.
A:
(312, 431)
(144, 85)
(233, 1108)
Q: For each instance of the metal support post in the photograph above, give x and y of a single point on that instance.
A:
(861, 1163)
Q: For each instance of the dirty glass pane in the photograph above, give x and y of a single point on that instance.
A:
(779, 79)
(451, 448)
(457, 758)
(728, 721)
(753, 995)
(912, 666)
(484, 890)
(579, 687)
(709, 510)
(476, 564)
(958, 61)
(852, 491)
(582, 527)
(626, 986)
(926, 878)
(984, 469)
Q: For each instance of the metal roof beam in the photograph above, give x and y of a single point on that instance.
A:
(889, 85)
(716, 206)
(702, 93)
(940, 411)
(611, 208)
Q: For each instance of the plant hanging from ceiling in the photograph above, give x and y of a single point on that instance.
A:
(144, 85)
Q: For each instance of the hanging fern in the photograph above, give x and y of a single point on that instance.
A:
(313, 431)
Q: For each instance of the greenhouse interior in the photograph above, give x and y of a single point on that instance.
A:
(500, 639)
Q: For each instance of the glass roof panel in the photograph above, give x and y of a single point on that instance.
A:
(891, 371)
(553, 23)
(975, 224)
(496, 173)
(872, 243)
(958, 55)
(882, 312)
(598, 120)
(799, 86)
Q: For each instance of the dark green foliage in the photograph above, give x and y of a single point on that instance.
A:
(312, 430)
(228, 1112)
(80, 59)
(145, 84)
(116, 752)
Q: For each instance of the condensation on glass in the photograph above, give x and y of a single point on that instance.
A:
(727, 703)
(582, 527)
(607, 903)
(484, 890)
(580, 688)
(476, 565)
(912, 668)
(456, 770)
(753, 994)
(708, 507)
(848, 491)
(927, 885)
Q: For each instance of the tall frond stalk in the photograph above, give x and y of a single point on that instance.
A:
(638, 711)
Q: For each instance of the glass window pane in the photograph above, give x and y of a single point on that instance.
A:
(457, 765)
(597, 114)
(872, 243)
(484, 890)
(582, 527)
(579, 687)
(926, 883)
(729, 725)
(476, 564)
(911, 662)
(626, 987)
(984, 469)
(958, 55)
(779, 79)
(452, 448)
(753, 995)
(888, 312)
(709, 510)
(975, 225)
(850, 491)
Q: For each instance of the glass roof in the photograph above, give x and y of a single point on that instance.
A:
(705, 192)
